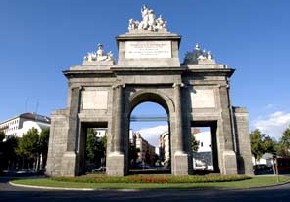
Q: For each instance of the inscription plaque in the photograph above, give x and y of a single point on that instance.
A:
(147, 49)
(202, 99)
(93, 99)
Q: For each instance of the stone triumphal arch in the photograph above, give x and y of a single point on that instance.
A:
(102, 93)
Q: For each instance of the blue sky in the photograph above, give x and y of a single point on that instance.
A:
(40, 39)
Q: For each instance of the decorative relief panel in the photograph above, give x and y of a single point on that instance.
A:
(93, 99)
(202, 98)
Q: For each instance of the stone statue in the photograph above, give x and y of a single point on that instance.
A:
(149, 21)
(197, 56)
(145, 14)
(209, 55)
(133, 24)
(99, 55)
(160, 23)
(110, 56)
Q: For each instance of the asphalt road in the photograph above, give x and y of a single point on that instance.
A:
(273, 194)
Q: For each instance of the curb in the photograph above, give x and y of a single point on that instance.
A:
(52, 188)
(68, 189)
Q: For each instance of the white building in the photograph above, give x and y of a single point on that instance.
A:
(266, 159)
(20, 125)
(203, 157)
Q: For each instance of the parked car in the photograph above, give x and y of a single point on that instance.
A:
(262, 169)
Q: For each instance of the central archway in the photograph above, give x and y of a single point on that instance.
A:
(149, 134)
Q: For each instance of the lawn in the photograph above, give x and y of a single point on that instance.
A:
(256, 181)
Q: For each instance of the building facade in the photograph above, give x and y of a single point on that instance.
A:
(19, 125)
(164, 149)
(145, 151)
(202, 159)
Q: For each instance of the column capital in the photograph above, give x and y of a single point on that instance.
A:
(118, 85)
(178, 85)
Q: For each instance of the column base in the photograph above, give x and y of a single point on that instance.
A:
(68, 164)
(230, 163)
(181, 164)
(115, 164)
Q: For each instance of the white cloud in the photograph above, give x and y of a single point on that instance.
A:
(273, 124)
(152, 134)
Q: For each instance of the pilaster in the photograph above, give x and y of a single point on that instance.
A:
(116, 159)
(229, 155)
(181, 161)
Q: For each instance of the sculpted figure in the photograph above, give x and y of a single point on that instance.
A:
(100, 51)
(209, 56)
(90, 57)
(110, 56)
(145, 16)
(99, 55)
(133, 24)
(149, 21)
(160, 23)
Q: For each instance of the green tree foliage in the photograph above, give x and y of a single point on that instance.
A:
(43, 145)
(284, 143)
(28, 148)
(261, 144)
(269, 144)
(29, 144)
(256, 144)
(91, 146)
(2, 136)
(8, 152)
(194, 143)
(95, 148)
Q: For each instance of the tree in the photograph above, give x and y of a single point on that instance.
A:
(194, 143)
(91, 146)
(43, 145)
(2, 136)
(29, 147)
(269, 144)
(96, 148)
(257, 144)
(261, 144)
(284, 143)
(10, 151)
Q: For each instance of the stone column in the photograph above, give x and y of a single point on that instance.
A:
(116, 158)
(244, 156)
(118, 116)
(73, 119)
(181, 161)
(229, 155)
(69, 163)
(178, 118)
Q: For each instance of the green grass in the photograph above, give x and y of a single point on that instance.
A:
(257, 181)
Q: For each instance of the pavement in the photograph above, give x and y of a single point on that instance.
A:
(16, 193)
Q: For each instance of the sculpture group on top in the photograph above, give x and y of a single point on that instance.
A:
(198, 56)
(149, 21)
(99, 55)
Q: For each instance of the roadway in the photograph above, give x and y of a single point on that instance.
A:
(12, 193)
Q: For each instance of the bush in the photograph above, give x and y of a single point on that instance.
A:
(153, 178)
